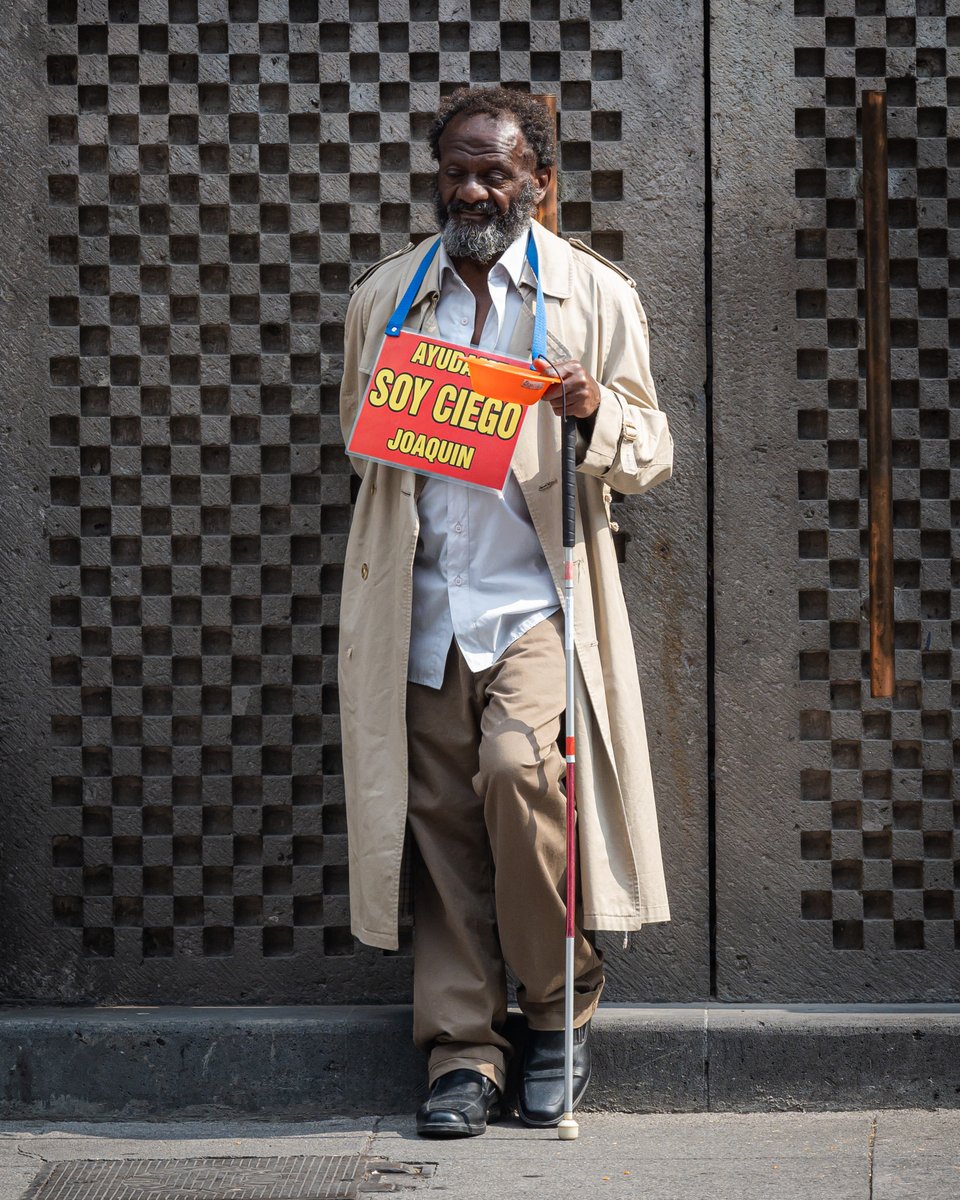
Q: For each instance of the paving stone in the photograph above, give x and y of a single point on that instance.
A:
(917, 1156)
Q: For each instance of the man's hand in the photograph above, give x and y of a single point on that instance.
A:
(583, 391)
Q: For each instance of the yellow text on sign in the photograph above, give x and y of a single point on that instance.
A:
(465, 409)
(398, 392)
(460, 408)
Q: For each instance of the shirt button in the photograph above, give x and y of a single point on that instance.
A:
(458, 581)
(364, 571)
(458, 528)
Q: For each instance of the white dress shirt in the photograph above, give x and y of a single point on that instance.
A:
(479, 574)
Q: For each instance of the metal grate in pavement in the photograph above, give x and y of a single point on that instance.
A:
(292, 1177)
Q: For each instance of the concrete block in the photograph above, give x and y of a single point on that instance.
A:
(307, 1063)
(834, 1057)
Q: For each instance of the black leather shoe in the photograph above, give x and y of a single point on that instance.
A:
(460, 1105)
(541, 1088)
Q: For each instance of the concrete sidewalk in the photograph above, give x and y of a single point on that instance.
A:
(906, 1154)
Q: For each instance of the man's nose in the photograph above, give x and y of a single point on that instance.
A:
(472, 191)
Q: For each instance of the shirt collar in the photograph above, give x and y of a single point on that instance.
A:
(556, 266)
(512, 260)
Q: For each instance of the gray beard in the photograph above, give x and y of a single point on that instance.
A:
(484, 243)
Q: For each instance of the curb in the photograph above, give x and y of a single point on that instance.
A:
(309, 1062)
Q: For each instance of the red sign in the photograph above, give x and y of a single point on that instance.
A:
(421, 413)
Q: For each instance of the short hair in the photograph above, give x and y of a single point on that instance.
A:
(532, 115)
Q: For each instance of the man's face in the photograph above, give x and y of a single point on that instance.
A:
(488, 186)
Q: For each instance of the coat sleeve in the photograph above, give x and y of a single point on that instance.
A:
(352, 384)
(630, 446)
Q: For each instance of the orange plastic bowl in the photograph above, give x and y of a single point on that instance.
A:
(502, 381)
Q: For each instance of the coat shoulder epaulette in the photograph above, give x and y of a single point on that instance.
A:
(379, 263)
(606, 262)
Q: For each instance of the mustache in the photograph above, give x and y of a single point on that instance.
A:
(486, 207)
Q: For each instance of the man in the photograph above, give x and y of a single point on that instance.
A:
(451, 648)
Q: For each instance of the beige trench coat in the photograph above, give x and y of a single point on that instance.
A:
(594, 315)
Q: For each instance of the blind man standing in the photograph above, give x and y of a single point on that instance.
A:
(451, 638)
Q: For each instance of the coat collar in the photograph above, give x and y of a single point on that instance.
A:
(556, 263)
(556, 267)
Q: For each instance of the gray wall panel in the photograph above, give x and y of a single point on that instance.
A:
(836, 812)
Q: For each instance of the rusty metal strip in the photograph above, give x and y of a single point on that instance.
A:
(879, 416)
(547, 211)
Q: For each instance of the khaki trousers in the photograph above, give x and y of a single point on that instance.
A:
(486, 813)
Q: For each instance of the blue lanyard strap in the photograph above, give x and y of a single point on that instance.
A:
(395, 324)
(539, 346)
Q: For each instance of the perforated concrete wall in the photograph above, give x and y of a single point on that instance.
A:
(838, 861)
(189, 189)
(191, 186)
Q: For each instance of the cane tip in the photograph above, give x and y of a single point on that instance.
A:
(568, 1130)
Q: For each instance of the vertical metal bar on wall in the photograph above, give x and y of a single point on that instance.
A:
(879, 420)
(547, 211)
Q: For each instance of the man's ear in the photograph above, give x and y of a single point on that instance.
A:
(541, 180)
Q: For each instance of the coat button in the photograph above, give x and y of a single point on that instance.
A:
(364, 571)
